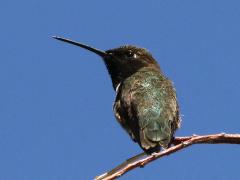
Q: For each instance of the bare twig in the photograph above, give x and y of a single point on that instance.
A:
(178, 144)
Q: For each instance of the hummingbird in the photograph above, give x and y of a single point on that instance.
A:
(146, 104)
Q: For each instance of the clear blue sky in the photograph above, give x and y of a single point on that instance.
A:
(56, 120)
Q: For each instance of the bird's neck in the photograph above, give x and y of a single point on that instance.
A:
(118, 79)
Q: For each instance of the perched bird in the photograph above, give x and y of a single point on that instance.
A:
(146, 104)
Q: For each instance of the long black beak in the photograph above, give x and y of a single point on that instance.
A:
(103, 54)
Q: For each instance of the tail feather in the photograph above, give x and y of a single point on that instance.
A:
(155, 134)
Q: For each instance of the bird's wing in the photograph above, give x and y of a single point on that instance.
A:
(123, 113)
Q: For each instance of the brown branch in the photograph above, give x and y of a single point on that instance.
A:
(178, 144)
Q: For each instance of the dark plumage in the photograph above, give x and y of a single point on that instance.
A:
(145, 104)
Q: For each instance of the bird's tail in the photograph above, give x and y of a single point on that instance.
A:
(155, 134)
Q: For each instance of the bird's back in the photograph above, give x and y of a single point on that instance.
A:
(147, 108)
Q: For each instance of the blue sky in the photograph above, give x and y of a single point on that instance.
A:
(56, 119)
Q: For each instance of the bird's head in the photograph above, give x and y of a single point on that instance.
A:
(121, 62)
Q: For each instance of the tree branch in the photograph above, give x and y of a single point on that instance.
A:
(178, 144)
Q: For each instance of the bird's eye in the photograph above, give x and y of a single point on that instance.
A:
(130, 54)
